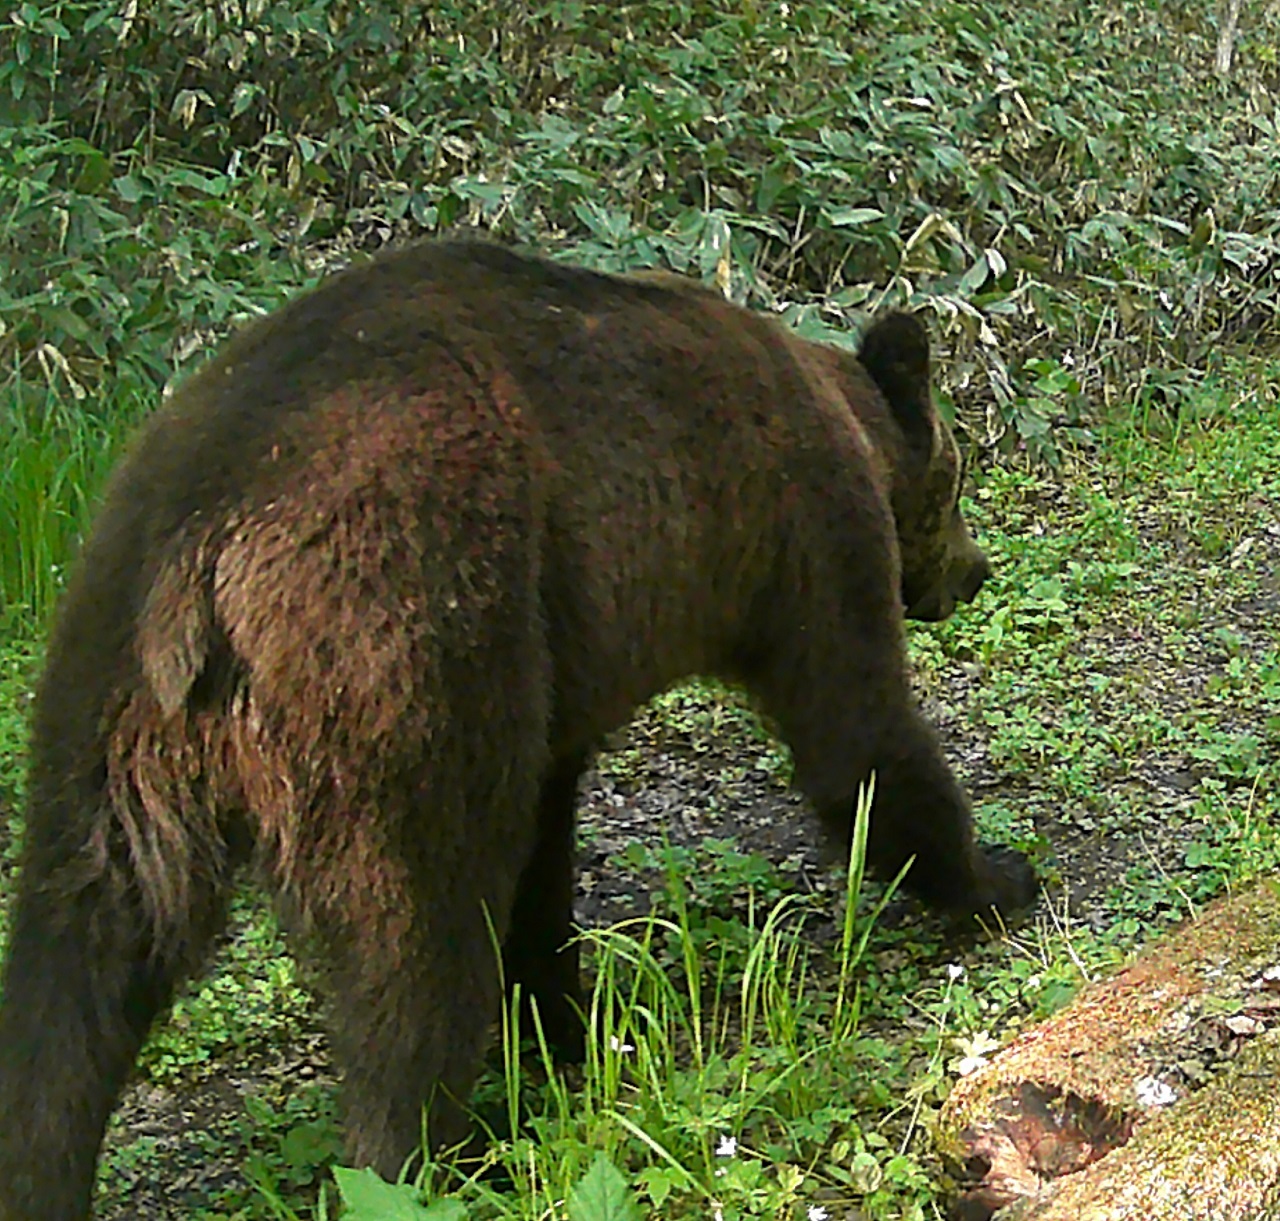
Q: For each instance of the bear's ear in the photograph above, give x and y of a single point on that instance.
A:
(895, 352)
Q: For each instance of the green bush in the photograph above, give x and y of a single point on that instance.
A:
(1086, 208)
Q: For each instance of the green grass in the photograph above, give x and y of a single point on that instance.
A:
(708, 1084)
(55, 454)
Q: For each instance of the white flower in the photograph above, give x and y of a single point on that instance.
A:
(973, 1053)
(954, 971)
(1152, 1092)
(728, 1147)
(619, 1046)
(817, 1213)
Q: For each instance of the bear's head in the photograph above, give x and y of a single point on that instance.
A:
(941, 563)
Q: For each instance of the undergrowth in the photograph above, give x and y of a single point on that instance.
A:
(1085, 207)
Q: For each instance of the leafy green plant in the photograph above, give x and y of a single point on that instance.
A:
(254, 996)
(1070, 174)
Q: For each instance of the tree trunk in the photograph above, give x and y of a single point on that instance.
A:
(1154, 1096)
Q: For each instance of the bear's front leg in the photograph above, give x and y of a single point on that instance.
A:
(920, 810)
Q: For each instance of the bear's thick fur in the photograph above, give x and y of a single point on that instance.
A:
(359, 604)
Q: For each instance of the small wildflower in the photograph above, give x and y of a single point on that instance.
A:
(728, 1147)
(1242, 1024)
(1152, 1092)
(954, 971)
(973, 1053)
(619, 1046)
(817, 1213)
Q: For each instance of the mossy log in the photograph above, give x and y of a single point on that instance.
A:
(1153, 1096)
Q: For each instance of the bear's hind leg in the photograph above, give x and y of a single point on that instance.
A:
(540, 953)
(410, 973)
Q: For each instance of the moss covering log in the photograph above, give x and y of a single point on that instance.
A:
(1154, 1096)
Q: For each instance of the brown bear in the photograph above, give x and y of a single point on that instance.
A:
(361, 601)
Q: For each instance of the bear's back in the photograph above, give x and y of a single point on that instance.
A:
(648, 448)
